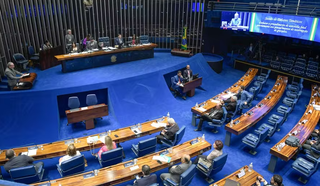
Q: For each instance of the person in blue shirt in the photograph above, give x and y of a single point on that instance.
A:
(176, 82)
(236, 21)
(244, 98)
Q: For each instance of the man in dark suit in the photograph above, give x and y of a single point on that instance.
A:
(176, 170)
(146, 179)
(19, 161)
(176, 82)
(11, 74)
(216, 113)
(92, 44)
(313, 143)
(169, 132)
(187, 73)
(231, 104)
(69, 40)
(119, 41)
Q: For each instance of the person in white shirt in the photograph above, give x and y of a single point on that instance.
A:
(276, 180)
(71, 152)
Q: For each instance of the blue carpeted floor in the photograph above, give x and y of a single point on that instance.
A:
(138, 92)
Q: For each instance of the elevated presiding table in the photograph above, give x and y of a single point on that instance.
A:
(56, 149)
(26, 83)
(255, 114)
(247, 180)
(118, 173)
(209, 104)
(87, 114)
(304, 127)
(85, 60)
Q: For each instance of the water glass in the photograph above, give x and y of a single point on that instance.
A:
(75, 140)
(96, 172)
(135, 161)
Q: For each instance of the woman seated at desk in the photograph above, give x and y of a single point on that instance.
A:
(109, 145)
(75, 48)
(71, 152)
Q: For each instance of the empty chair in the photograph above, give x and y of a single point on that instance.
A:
(276, 120)
(32, 55)
(216, 166)
(271, 130)
(298, 70)
(305, 167)
(254, 91)
(91, 99)
(145, 147)
(144, 39)
(293, 95)
(27, 174)
(71, 166)
(284, 111)
(254, 140)
(289, 101)
(275, 64)
(73, 102)
(313, 155)
(214, 123)
(263, 76)
(20, 60)
(312, 73)
(104, 41)
(111, 157)
(185, 178)
(129, 41)
(177, 138)
(294, 86)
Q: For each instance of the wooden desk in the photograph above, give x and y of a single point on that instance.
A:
(28, 82)
(180, 52)
(246, 121)
(47, 59)
(55, 149)
(80, 61)
(244, 81)
(246, 180)
(118, 173)
(287, 152)
(190, 87)
(87, 114)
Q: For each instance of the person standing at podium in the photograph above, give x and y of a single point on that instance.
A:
(176, 83)
(11, 74)
(187, 73)
(119, 41)
(69, 40)
(46, 45)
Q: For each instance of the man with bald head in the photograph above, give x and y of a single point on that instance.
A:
(19, 161)
(169, 132)
(187, 73)
(215, 113)
(11, 74)
(176, 170)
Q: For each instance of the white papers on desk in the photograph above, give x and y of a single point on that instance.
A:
(215, 101)
(134, 168)
(84, 108)
(137, 130)
(102, 139)
(181, 85)
(166, 159)
(32, 152)
(146, 44)
(74, 53)
(112, 48)
(202, 109)
(24, 153)
(85, 52)
(95, 49)
(228, 95)
(316, 107)
(157, 125)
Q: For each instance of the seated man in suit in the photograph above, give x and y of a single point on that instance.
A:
(176, 170)
(146, 179)
(176, 81)
(46, 45)
(187, 74)
(119, 41)
(169, 132)
(244, 97)
(231, 104)
(215, 113)
(236, 21)
(276, 180)
(217, 151)
(11, 74)
(313, 143)
(92, 44)
(19, 161)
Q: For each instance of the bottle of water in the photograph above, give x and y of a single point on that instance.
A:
(168, 115)
(231, 123)
(203, 137)
(250, 167)
(197, 104)
(139, 126)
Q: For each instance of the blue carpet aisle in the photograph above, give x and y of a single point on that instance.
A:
(137, 92)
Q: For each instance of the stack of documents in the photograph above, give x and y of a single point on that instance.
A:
(317, 107)
(157, 125)
(163, 158)
(201, 109)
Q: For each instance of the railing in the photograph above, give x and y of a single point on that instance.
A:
(277, 8)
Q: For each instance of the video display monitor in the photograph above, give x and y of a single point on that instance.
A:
(235, 20)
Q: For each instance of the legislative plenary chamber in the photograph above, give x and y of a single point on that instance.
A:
(159, 92)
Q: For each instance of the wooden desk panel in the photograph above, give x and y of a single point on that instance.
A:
(191, 86)
(47, 59)
(29, 80)
(102, 52)
(287, 152)
(244, 81)
(55, 149)
(118, 173)
(247, 180)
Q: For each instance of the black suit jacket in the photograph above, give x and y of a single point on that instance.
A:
(218, 114)
(118, 41)
(145, 181)
(230, 106)
(171, 132)
(18, 161)
(185, 73)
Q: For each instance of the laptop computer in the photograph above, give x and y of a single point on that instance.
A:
(230, 182)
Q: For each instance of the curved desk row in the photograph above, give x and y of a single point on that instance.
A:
(244, 81)
(58, 148)
(255, 114)
(306, 125)
(119, 173)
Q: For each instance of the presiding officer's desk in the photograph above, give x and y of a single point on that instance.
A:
(55, 149)
(244, 81)
(47, 59)
(255, 114)
(118, 173)
(87, 114)
(26, 82)
(190, 87)
(247, 180)
(85, 60)
(287, 152)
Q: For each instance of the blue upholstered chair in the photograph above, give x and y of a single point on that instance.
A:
(293, 95)
(144, 39)
(264, 76)
(254, 140)
(27, 174)
(32, 55)
(177, 138)
(129, 41)
(154, 184)
(72, 166)
(105, 41)
(289, 101)
(20, 60)
(312, 158)
(145, 147)
(217, 165)
(73, 102)
(111, 157)
(254, 91)
(271, 130)
(231, 114)
(91, 99)
(306, 168)
(294, 86)
(276, 121)
(214, 123)
(185, 178)
(284, 111)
